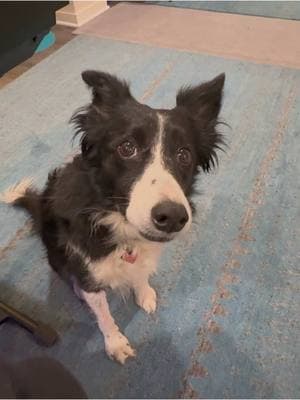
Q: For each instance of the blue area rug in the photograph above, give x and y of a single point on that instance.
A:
(272, 9)
(228, 319)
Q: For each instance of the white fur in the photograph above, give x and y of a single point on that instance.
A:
(15, 192)
(123, 231)
(116, 344)
(118, 274)
(146, 298)
(154, 186)
(114, 272)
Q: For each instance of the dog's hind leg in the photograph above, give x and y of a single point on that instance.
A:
(116, 344)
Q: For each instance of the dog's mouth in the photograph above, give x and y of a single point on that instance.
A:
(156, 238)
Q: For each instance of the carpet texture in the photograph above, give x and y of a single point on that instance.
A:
(271, 9)
(257, 39)
(227, 324)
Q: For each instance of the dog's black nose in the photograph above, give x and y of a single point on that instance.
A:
(169, 216)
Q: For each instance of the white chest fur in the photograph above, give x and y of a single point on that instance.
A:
(116, 273)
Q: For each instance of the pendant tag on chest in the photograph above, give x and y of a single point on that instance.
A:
(129, 256)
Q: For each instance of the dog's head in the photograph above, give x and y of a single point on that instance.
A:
(144, 161)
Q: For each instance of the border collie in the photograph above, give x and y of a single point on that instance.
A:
(104, 217)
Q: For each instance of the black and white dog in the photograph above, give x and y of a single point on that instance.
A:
(104, 216)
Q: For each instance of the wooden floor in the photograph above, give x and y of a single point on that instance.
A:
(241, 37)
(63, 35)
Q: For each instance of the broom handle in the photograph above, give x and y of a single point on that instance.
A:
(22, 319)
(43, 333)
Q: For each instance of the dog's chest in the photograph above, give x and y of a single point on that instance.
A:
(117, 271)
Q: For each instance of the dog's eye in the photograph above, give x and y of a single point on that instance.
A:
(127, 149)
(184, 156)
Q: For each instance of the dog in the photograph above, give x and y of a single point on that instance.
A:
(104, 216)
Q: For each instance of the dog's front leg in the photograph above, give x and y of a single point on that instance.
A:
(145, 296)
(116, 344)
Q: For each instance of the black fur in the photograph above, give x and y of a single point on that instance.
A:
(99, 181)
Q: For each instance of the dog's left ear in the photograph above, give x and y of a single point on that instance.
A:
(107, 89)
(204, 100)
(203, 103)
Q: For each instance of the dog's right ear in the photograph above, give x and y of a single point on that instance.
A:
(107, 89)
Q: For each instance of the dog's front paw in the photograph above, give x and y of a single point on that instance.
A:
(118, 348)
(146, 299)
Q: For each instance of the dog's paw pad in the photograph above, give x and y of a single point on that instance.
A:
(146, 299)
(118, 348)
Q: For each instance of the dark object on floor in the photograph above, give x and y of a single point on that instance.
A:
(39, 378)
(42, 333)
(22, 27)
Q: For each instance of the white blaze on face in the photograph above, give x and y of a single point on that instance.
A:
(154, 186)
